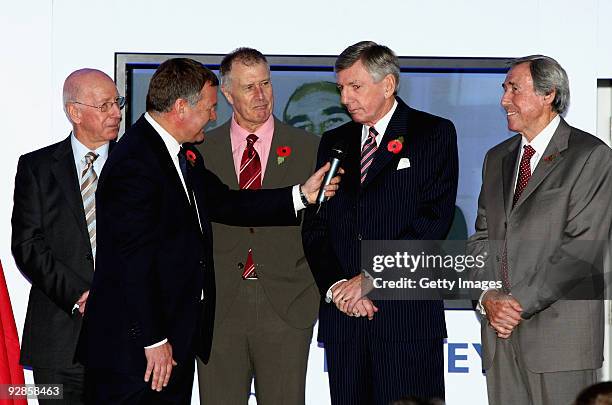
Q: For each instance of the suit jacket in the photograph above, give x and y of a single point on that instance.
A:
(554, 237)
(51, 247)
(281, 266)
(413, 203)
(154, 258)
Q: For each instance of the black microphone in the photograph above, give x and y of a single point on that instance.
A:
(336, 157)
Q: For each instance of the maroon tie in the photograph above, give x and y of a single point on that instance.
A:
(524, 173)
(523, 178)
(250, 178)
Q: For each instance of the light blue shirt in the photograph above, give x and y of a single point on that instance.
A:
(79, 151)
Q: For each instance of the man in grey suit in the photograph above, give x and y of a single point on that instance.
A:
(267, 301)
(545, 195)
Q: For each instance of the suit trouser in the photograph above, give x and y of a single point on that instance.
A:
(253, 341)
(71, 378)
(509, 381)
(365, 371)
(106, 387)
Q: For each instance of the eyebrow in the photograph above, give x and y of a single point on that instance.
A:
(298, 118)
(334, 110)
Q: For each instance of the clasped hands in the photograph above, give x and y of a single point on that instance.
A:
(349, 297)
(503, 312)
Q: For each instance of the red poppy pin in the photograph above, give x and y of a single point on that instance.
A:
(550, 158)
(191, 157)
(282, 152)
(395, 146)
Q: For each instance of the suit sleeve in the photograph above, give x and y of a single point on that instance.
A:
(322, 259)
(31, 248)
(437, 204)
(271, 207)
(575, 268)
(128, 208)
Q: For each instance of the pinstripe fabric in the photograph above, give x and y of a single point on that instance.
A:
(89, 182)
(413, 203)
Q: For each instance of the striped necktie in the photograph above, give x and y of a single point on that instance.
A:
(89, 183)
(250, 178)
(367, 152)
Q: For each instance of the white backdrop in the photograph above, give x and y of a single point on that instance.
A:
(42, 41)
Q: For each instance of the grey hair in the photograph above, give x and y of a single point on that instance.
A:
(548, 76)
(244, 55)
(378, 60)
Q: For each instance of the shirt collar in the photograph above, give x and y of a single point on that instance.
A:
(380, 126)
(79, 150)
(171, 143)
(541, 140)
(264, 133)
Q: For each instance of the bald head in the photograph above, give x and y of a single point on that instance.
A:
(85, 90)
(79, 81)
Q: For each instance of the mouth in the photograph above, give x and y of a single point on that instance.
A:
(510, 113)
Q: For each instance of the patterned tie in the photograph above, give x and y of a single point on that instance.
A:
(524, 173)
(523, 178)
(89, 183)
(367, 152)
(250, 178)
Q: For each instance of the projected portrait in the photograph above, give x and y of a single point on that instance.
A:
(315, 107)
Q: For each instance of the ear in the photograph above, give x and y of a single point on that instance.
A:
(550, 97)
(179, 107)
(74, 113)
(228, 95)
(389, 85)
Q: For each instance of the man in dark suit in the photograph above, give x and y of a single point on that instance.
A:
(546, 195)
(53, 229)
(402, 193)
(152, 301)
(264, 320)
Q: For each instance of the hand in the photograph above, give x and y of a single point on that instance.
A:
(312, 185)
(347, 293)
(159, 363)
(82, 301)
(503, 312)
(364, 307)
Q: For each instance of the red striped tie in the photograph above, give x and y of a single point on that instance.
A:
(367, 152)
(250, 178)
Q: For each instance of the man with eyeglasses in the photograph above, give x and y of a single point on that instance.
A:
(54, 230)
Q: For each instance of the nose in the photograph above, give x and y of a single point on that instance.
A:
(505, 99)
(115, 110)
(344, 96)
(213, 114)
(259, 93)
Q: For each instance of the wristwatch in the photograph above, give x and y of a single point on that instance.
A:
(303, 197)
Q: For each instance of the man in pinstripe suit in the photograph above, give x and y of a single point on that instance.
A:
(407, 193)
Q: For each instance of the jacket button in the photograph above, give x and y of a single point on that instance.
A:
(251, 230)
(359, 237)
(89, 257)
(240, 266)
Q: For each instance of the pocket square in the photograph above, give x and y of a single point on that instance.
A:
(403, 163)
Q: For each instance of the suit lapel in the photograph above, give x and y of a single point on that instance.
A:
(65, 173)
(220, 147)
(509, 162)
(552, 157)
(276, 173)
(398, 126)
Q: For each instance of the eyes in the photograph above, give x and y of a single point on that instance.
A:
(512, 87)
(353, 86)
(252, 86)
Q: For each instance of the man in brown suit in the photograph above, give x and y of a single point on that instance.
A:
(267, 301)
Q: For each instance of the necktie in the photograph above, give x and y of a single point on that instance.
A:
(182, 158)
(89, 183)
(367, 152)
(524, 173)
(250, 178)
(523, 178)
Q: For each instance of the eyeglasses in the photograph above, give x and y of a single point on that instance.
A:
(105, 107)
